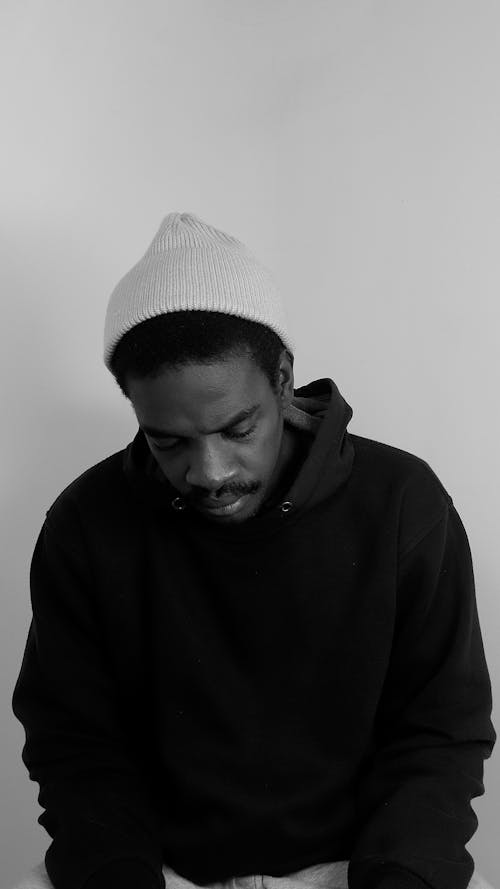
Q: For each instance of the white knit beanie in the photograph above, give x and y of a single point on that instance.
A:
(192, 266)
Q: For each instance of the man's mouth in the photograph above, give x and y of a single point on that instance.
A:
(222, 507)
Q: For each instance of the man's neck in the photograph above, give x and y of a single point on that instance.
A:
(294, 449)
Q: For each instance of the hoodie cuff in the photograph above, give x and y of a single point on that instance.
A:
(397, 879)
(126, 873)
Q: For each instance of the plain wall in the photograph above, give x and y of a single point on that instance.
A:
(353, 146)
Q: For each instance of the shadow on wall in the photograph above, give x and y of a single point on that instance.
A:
(58, 420)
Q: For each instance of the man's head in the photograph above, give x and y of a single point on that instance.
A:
(195, 336)
(209, 391)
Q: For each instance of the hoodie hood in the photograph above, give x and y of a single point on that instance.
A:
(319, 412)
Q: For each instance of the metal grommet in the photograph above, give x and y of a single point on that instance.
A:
(178, 504)
(286, 506)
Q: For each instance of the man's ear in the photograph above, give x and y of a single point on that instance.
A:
(285, 378)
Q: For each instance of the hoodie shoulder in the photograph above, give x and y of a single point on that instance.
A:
(404, 479)
(388, 456)
(94, 487)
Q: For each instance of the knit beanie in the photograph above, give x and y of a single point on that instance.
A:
(192, 266)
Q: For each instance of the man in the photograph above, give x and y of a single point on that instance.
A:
(255, 650)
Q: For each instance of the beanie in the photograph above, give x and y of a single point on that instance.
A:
(192, 266)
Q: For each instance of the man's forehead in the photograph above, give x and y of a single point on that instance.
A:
(197, 397)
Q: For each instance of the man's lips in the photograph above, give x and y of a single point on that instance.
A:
(227, 503)
(218, 504)
(220, 508)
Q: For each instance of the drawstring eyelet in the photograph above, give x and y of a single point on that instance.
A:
(178, 504)
(286, 507)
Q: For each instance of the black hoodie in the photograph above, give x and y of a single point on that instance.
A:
(306, 686)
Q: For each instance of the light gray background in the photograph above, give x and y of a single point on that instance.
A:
(353, 146)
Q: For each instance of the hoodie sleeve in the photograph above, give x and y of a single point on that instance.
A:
(98, 810)
(433, 724)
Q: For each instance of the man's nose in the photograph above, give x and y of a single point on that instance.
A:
(210, 465)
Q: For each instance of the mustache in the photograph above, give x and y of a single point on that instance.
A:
(201, 495)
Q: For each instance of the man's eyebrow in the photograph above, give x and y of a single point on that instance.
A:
(238, 418)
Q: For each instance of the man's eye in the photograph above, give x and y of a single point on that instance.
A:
(230, 433)
(247, 432)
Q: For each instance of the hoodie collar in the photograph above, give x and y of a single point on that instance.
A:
(319, 412)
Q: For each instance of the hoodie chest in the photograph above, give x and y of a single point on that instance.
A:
(209, 633)
(325, 586)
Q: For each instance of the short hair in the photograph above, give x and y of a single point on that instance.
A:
(175, 339)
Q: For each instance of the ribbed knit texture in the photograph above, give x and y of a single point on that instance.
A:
(192, 266)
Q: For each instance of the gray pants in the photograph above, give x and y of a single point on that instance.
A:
(332, 875)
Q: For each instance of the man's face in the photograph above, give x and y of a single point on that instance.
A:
(216, 431)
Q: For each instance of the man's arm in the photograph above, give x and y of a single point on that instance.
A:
(97, 807)
(433, 725)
